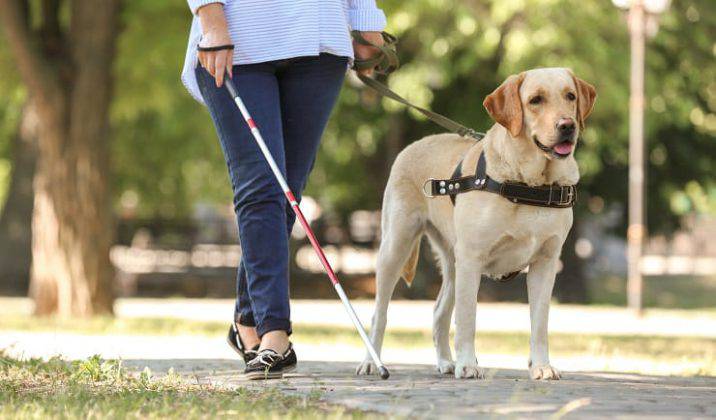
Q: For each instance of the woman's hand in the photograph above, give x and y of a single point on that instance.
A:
(367, 51)
(215, 33)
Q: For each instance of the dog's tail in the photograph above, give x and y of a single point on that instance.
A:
(408, 273)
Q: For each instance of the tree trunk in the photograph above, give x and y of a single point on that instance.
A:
(69, 80)
(16, 217)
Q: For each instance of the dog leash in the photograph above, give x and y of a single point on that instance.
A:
(387, 62)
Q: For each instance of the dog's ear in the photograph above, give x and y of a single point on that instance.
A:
(586, 95)
(504, 104)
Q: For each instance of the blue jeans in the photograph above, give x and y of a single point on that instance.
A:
(290, 100)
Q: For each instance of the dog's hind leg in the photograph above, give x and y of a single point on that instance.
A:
(442, 312)
(400, 242)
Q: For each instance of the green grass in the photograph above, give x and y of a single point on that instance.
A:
(96, 388)
(698, 354)
(667, 291)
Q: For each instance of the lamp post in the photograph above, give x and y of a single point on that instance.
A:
(642, 22)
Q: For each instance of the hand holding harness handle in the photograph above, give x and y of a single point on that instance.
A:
(387, 62)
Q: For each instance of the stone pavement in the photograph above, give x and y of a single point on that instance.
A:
(419, 391)
(415, 389)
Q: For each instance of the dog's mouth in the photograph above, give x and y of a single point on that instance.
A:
(560, 150)
(563, 149)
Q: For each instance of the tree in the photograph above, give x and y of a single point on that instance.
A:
(66, 66)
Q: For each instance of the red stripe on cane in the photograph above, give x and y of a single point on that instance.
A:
(316, 246)
(251, 123)
(312, 238)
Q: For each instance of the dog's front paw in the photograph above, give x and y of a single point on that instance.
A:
(546, 372)
(366, 368)
(446, 366)
(468, 370)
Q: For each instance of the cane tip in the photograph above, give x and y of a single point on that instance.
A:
(384, 374)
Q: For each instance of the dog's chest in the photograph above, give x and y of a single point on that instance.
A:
(513, 246)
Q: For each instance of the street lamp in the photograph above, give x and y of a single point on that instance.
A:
(642, 22)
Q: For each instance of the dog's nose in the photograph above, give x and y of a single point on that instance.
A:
(565, 126)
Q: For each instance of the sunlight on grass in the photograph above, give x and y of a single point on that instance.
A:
(96, 388)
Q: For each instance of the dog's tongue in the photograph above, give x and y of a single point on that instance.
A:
(563, 148)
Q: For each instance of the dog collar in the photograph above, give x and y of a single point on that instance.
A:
(556, 196)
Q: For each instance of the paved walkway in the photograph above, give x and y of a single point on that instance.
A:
(414, 389)
(418, 391)
(180, 347)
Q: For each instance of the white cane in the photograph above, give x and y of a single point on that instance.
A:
(309, 232)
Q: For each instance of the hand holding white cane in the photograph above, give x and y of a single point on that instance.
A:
(309, 232)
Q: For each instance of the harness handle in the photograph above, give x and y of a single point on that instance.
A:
(387, 62)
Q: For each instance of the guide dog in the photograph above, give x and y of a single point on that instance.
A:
(538, 116)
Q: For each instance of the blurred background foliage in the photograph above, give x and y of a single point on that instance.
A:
(13, 97)
(454, 52)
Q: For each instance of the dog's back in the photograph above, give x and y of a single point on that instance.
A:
(434, 156)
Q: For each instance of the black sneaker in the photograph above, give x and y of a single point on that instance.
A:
(235, 343)
(270, 365)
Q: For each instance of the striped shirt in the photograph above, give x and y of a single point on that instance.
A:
(268, 30)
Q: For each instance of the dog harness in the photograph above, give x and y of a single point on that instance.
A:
(556, 196)
(543, 196)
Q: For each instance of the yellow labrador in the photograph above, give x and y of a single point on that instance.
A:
(539, 115)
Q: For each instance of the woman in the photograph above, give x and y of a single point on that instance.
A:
(287, 59)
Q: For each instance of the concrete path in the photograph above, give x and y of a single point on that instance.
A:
(146, 347)
(418, 391)
(415, 389)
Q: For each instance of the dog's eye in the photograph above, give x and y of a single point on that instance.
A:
(536, 100)
(571, 96)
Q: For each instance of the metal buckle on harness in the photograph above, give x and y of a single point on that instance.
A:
(570, 194)
(428, 193)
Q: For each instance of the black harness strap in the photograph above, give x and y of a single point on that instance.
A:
(544, 195)
(555, 196)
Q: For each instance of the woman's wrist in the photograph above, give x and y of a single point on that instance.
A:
(216, 51)
(212, 19)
